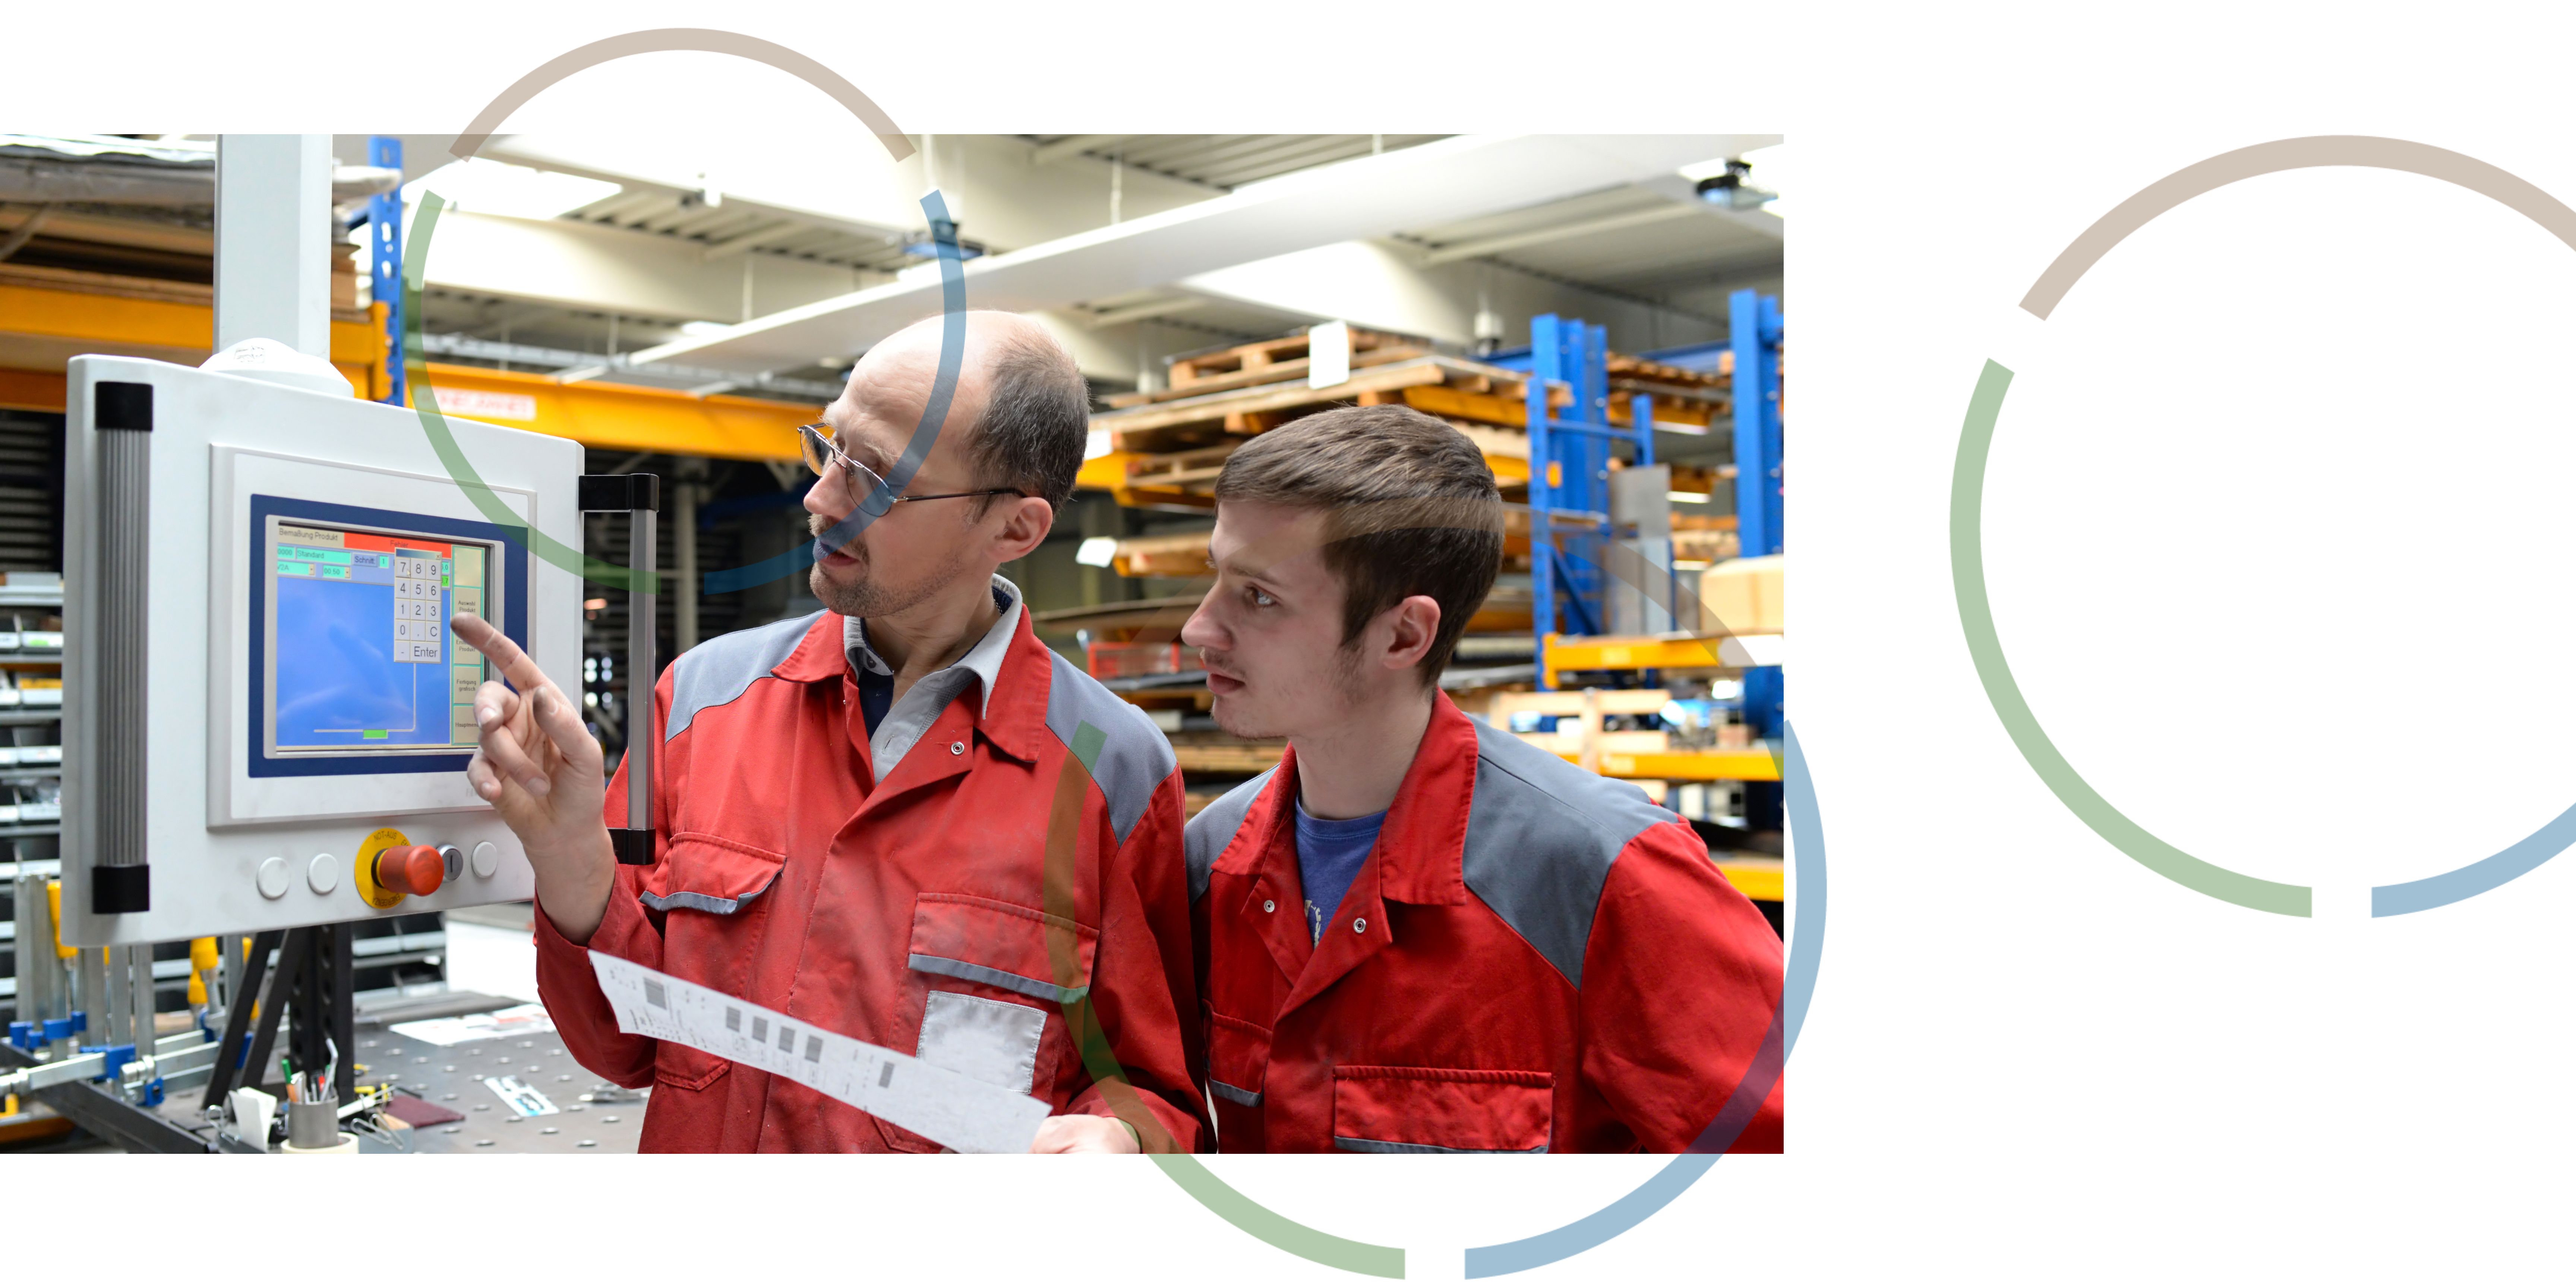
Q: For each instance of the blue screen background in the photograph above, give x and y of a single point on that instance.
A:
(336, 674)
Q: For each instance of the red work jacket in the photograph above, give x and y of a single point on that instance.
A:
(913, 913)
(1532, 958)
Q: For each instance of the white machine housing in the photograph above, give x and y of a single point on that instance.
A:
(218, 807)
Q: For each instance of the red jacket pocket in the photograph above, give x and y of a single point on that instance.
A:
(974, 947)
(712, 893)
(1389, 1109)
(1238, 1065)
(1002, 945)
(704, 873)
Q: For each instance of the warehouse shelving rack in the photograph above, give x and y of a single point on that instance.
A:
(15, 827)
(1569, 489)
(1573, 540)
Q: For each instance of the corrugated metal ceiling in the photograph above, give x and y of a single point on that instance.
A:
(1229, 160)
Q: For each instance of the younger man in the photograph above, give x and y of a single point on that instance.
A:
(1419, 934)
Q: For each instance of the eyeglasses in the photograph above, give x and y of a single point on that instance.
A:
(821, 454)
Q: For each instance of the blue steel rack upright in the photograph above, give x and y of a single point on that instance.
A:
(385, 256)
(1569, 487)
(1754, 329)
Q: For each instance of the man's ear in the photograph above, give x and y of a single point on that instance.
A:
(1411, 627)
(1025, 523)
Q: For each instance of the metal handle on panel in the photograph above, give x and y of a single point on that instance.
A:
(120, 878)
(640, 496)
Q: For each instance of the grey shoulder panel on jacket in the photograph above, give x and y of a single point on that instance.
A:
(722, 669)
(1541, 836)
(1214, 829)
(1132, 757)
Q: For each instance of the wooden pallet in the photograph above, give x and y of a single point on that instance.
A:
(1485, 394)
(1707, 479)
(1706, 547)
(1204, 369)
(1625, 366)
(1195, 469)
(1232, 757)
(1185, 554)
(1272, 373)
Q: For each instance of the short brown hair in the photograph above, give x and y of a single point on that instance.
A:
(1412, 510)
(1037, 417)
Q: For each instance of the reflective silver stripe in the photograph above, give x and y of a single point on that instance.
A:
(989, 1041)
(1208, 834)
(1541, 836)
(723, 668)
(1359, 1145)
(1135, 758)
(718, 905)
(1036, 988)
(1228, 1091)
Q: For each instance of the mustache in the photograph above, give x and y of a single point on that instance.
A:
(816, 525)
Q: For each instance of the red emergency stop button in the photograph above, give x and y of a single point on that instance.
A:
(410, 869)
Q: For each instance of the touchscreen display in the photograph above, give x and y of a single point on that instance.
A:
(359, 654)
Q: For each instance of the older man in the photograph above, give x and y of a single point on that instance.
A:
(902, 819)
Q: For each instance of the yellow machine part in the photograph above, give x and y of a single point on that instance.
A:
(376, 843)
(202, 954)
(54, 901)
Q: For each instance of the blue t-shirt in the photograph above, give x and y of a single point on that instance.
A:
(1329, 854)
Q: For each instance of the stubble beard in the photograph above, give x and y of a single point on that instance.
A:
(865, 596)
(1346, 689)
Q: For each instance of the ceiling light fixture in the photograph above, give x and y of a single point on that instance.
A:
(1732, 190)
(499, 188)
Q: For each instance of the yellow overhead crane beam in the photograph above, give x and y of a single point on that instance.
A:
(626, 418)
(49, 316)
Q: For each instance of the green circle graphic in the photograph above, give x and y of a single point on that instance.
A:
(1976, 617)
(1967, 534)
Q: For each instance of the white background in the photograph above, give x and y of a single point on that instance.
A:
(2279, 548)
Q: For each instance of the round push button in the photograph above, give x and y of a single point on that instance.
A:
(487, 860)
(410, 869)
(323, 874)
(273, 878)
(454, 859)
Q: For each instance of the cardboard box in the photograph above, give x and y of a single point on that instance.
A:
(1742, 597)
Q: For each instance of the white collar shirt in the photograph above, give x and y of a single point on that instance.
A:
(912, 713)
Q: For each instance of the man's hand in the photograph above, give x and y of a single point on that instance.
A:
(1084, 1134)
(540, 769)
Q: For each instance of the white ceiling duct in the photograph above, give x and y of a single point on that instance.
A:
(1366, 197)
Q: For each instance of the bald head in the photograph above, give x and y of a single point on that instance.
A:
(1025, 400)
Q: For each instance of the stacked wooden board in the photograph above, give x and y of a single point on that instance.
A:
(1167, 447)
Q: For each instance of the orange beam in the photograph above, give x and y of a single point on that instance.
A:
(623, 417)
(31, 390)
(128, 320)
(617, 417)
